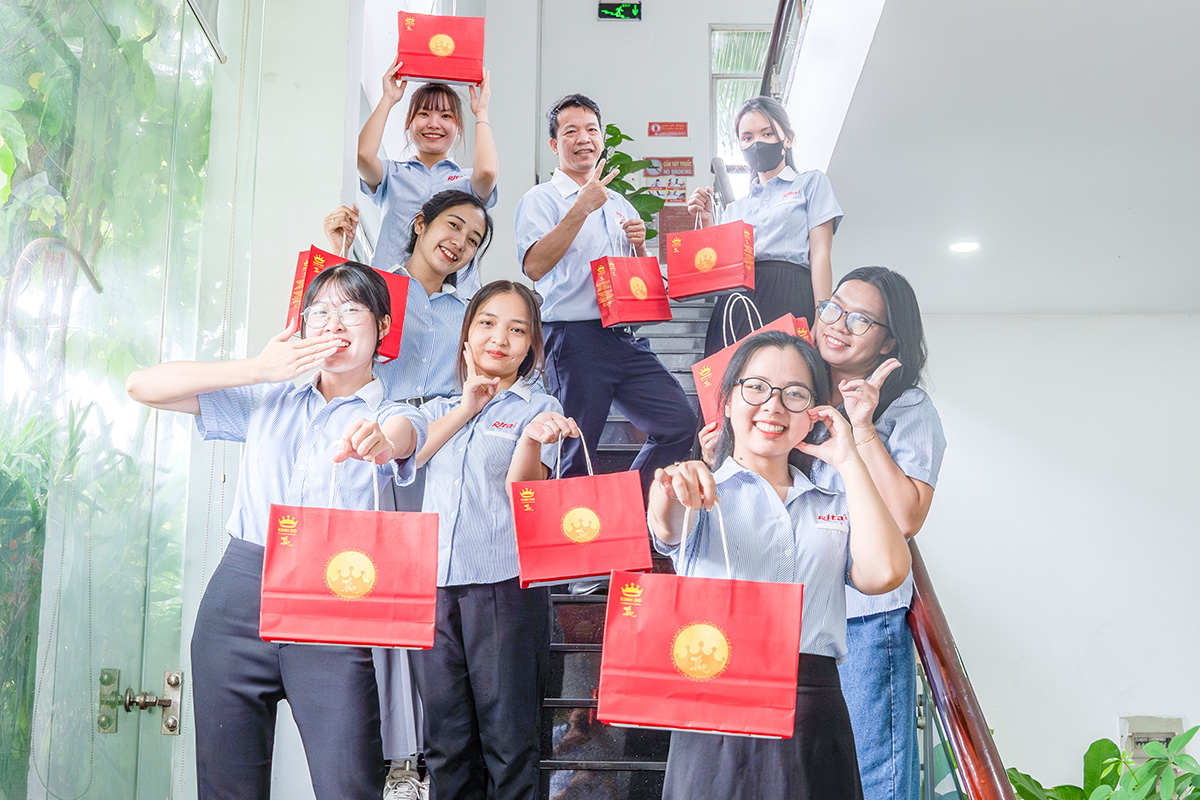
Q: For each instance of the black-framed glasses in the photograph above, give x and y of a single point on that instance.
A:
(318, 316)
(795, 397)
(858, 324)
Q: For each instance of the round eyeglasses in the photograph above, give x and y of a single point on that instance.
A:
(858, 324)
(795, 397)
(318, 316)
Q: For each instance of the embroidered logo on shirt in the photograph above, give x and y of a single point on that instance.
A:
(350, 575)
(834, 522)
(455, 177)
(504, 425)
(792, 193)
(701, 651)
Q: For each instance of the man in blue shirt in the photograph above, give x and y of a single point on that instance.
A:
(561, 227)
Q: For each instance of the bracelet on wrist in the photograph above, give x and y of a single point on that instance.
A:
(390, 444)
(483, 122)
(869, 439)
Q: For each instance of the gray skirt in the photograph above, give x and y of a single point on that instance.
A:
(818, 761)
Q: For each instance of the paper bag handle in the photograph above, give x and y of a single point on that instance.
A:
(342, 252)
(333, 485)
(687, 518)
(558, 459)
(728, 333)
(697, 226)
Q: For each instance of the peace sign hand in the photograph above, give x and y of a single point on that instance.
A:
(477, 391)
(861, 397)
(594, 194)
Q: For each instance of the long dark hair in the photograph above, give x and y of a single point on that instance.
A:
(774, 111)
(904, 327)
(534, 359)
(441, 202)
(735, 370)
(359, 284)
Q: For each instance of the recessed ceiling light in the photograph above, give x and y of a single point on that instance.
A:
(964, 247)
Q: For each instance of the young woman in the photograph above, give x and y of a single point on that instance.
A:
(293, 436)
(794, 217)
(452, 229)
(870, 335)
(784, 528)
(482, 683)
(433, 124)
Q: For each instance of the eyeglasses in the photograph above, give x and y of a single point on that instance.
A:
(858, 324)
(795, 397)
(318, 316)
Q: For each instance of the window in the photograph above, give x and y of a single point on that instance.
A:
(737, 57)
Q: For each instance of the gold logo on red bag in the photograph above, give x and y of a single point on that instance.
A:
(675, 243)
(581, 525)
(409, 23)
(350, 575)
(441, 45)
(706, 375)
(527, 499)
(286, 530)
(638, 287)
(700, 651)
(631, 597)
(706, 259)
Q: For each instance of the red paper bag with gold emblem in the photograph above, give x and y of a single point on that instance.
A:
(630, 290)
(709, 372)
(309, 264)
(707, 260)
(585, 527)
(701, 654)
(333, 576)
(441, 48)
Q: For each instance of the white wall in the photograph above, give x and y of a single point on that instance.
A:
(1063, 538)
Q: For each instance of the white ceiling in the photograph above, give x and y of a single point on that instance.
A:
(1064, 137)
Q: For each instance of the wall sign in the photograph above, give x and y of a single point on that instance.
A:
(669, 166)
(668, 129)
(627, 11)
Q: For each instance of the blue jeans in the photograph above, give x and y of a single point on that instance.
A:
(879, 680)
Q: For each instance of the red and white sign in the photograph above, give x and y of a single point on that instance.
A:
(663, 167)
(668, 129)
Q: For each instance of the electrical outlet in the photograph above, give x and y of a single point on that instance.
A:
(1137, 732)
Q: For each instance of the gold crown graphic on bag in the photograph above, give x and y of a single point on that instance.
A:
(581, 524)
(701, 651)
(441, 45)
(350, 575)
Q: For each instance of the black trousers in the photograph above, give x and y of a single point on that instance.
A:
(817, 763)
(238, 680)
(482, 685)
(779, 288)
(590, 367)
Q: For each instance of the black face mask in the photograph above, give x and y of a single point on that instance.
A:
(763, 156)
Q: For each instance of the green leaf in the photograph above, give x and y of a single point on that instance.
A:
(621, 187)
(1101, 792)
(1066, 792)
(10, 98)
(1179, 742)
(1026, 787)
(7, 165)
(1166, 790)
(639, 165)
(1095, 773)
(12, 133)
(1156, 750)
(1184, 761)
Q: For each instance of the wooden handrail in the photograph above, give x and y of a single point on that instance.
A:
(953, 696)
(782, 14)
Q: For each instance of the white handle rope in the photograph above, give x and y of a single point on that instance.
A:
(558, 459)
(687, 518)
(333, 485)
(728, 333)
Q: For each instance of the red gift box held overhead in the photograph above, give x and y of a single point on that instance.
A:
(333, 576)
(312, 261)
(701, 654)
(585, 527)
(709, 372)
(630, 290)
(707, 260)
(441, 48)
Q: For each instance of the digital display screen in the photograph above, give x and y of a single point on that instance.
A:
(620, 11)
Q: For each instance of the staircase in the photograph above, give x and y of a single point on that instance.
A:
(582, 757)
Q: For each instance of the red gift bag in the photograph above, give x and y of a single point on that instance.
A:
(311, 261)
(585, 527)
(441, 48)
(630, 289)
(715, 259)
(701, 654)
(333, 576)
(709, 372)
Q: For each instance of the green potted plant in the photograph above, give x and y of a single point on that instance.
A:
(646, 204)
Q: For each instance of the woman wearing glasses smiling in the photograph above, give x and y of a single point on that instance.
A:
(870, 335)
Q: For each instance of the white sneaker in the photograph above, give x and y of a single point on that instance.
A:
(404, 784)
(424, 791)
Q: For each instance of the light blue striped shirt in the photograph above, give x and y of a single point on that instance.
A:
(784, 211)
(428, 345)
(570, 294)
(405, 187)
(911, 430)
(465, 484)
(291, 434)
(804, 538)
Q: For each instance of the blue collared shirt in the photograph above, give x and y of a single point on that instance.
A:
(428, 345)
(465, 484)
(570, 295)
(784, 211)
(291, 434)
(911, 430)
(405, 187)
(804, 538)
